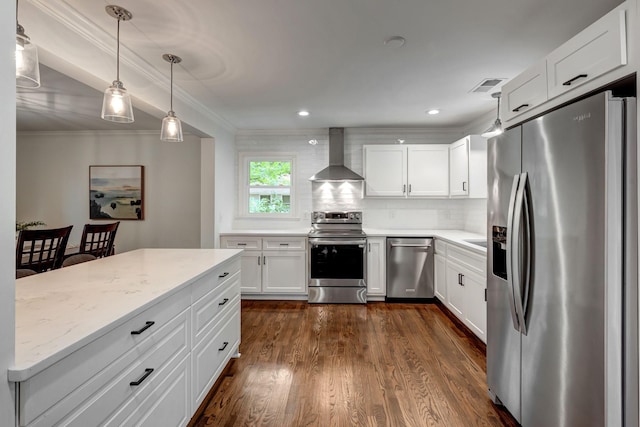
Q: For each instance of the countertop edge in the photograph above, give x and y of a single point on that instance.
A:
(22, 373)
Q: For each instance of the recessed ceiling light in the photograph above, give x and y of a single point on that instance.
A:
(400, 141)
(303, 113)
(433, 112)
(395, 41)
(313, 141)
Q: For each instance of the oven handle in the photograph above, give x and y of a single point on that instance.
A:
(337, 242)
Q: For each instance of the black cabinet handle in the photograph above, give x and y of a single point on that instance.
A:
(409, 188)
(147, 372)
(579, 76)
(284, 244)
(224, 301)
(461, 277)
(226, 273)
(241, 244)
(520, 107)
(224, 346)
(264, 260)
(464, 185)
(146, 326)
(259, 259)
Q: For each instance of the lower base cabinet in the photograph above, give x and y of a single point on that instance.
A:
(376, 268)
(153, 370)
(271, 264)
(461, 283)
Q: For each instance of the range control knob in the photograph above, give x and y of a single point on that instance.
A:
(350, 216)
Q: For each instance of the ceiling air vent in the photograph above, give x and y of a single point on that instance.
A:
(486, 85)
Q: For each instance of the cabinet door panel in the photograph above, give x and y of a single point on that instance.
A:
(475, 305)
(459, 168)
(284, 271)
(524, 92)
(440, 264)
(428, 170)
(455, 291)
(376, 268)
(384, 170)
(251, 278)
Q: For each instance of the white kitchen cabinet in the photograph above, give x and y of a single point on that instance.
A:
(460, 280)
(440, 279)
(598, 49)
(376, 268)
(271, 264)
(427, 170)
(524, 92)
(139, 372)
(416, 170)
(468, 167)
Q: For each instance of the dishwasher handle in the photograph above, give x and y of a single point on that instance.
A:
(408, 245)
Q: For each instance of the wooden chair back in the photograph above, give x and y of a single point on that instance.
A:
(42, 250)
(97, 239)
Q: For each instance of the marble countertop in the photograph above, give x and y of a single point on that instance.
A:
(295, 232)
(59, 311)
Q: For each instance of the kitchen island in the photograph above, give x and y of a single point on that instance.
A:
(137, 337)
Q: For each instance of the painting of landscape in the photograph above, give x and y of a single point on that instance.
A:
(116, 192)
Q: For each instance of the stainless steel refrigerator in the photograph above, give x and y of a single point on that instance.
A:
(562, 266)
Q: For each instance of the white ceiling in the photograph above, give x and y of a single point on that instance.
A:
(256, 62)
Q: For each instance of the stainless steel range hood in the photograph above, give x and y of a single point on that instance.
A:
(336, 171)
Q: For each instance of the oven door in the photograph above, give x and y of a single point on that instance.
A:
(337, 261)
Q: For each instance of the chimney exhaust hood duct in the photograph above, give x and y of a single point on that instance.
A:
(336, 171)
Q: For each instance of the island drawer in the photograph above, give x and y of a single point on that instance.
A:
(45, 389)
(211, 355)
(212, 306)
(217, 279)
(96, 399)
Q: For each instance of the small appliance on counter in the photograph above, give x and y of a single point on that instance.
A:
(410, 268)
(337, 258)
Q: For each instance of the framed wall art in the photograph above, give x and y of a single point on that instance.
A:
(116, 192)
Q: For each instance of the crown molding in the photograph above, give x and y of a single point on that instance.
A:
(70, 18)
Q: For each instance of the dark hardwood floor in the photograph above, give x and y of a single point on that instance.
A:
(353, 365)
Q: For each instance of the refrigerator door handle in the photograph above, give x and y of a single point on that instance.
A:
(520, 210)
(510, 247)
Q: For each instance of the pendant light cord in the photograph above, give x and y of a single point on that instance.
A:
(498, 118)
(171, 101)
(118, 53)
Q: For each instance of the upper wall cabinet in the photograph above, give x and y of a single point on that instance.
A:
(598, 49)
(524, 92)
(406, 170)
(583, 64)
(468, 167)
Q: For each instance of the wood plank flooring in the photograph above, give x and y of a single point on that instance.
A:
(353, 365)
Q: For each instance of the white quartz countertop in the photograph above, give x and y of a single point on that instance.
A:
(59, 311)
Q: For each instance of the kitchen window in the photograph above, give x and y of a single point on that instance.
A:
(267, 185)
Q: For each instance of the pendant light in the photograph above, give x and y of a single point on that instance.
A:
(496, 128)
(116, 105)
(27, 66)
(171, 126)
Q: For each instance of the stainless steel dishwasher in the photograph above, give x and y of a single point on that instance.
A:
(409, 267)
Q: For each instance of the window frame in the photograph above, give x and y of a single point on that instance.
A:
(244, 160)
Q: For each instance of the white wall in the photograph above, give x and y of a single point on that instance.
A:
(378, 213)
(7, 215)
(225, 177)
(53, 183)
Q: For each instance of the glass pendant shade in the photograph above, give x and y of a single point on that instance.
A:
(171, 128)
(496, 128)
(27, 66)
(116, 105)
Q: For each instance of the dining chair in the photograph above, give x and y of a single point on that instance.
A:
(41, 250)
(24, 272)
(97, 242)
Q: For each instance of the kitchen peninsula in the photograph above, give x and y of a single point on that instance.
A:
(137, 337)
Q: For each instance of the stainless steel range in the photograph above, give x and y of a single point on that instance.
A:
(337, 258)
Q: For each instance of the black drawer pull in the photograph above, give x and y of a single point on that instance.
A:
(284, 244)
(146, 326)
(226, 273)
(579, 76)
(241, 244)
(224, 301)
(224, 346)
(147, 372)
(520, 107)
